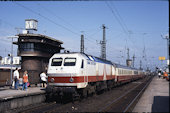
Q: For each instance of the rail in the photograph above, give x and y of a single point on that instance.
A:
(133, 101)
(119, 103)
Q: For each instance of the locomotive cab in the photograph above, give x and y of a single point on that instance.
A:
(66, 72)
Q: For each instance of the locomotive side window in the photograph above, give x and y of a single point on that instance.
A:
(82, 64)
(56, 61)
(70, 62)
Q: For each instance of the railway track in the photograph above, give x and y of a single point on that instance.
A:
(127, 101)
(119, 99)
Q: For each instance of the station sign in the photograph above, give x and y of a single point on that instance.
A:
(161, 58)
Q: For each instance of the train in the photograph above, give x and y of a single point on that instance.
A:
(82, 74)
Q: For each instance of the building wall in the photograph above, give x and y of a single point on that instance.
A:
(4, 77)
(31, 63)
(34, 66)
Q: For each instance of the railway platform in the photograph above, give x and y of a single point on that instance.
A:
(11, 99)
(155, 98)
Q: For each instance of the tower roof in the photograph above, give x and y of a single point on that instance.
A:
(39, 35)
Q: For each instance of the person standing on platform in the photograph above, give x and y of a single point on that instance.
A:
(16, 78)
(43, 77)
(25, 80)
(159, 74)
(165, 74)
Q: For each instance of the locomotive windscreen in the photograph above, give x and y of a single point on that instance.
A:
(69, 61)
(56, 61)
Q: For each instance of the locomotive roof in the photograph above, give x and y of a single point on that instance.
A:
(90, 57)
(125, 67)
(97, 59)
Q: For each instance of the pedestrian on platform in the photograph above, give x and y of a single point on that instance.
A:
(43, 77)
(159, 74)
(16, 78)
(165, 75)
(25, 80)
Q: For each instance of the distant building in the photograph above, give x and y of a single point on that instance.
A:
(35, 51)
(5, 69)
(7, 61)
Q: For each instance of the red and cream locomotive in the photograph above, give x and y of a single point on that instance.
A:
(78, 73)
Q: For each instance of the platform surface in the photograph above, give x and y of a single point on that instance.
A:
(11, 93)
(155, 98)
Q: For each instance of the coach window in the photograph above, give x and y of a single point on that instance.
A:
(135, 72)
(82, 64)
(56, 62)
(70, 62)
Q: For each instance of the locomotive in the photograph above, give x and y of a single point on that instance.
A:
(82, 74)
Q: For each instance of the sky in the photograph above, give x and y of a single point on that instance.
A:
(137, 25)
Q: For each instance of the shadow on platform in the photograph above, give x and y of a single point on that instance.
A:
(160, 104)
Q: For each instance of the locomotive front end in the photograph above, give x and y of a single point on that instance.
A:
(64, 74)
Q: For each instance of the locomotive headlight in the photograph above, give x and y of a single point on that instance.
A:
(52, 79)
(71, 79)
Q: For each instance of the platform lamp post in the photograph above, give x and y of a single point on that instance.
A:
(168, 46)
(11, 56)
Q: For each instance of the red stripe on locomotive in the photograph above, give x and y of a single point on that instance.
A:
(80, 79)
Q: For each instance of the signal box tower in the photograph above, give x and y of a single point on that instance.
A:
(35, 50)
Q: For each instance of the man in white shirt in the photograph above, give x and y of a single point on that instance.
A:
(43, 77)
(16, 78)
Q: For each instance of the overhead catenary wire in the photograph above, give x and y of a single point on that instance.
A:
(114, 14)
(121, 20)
(6, 41)
(1, 20)
(77, 34)
(52, 13)
(124, 27)
(6, 23)
(122, 24)
(88, 37)
(46, 18)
